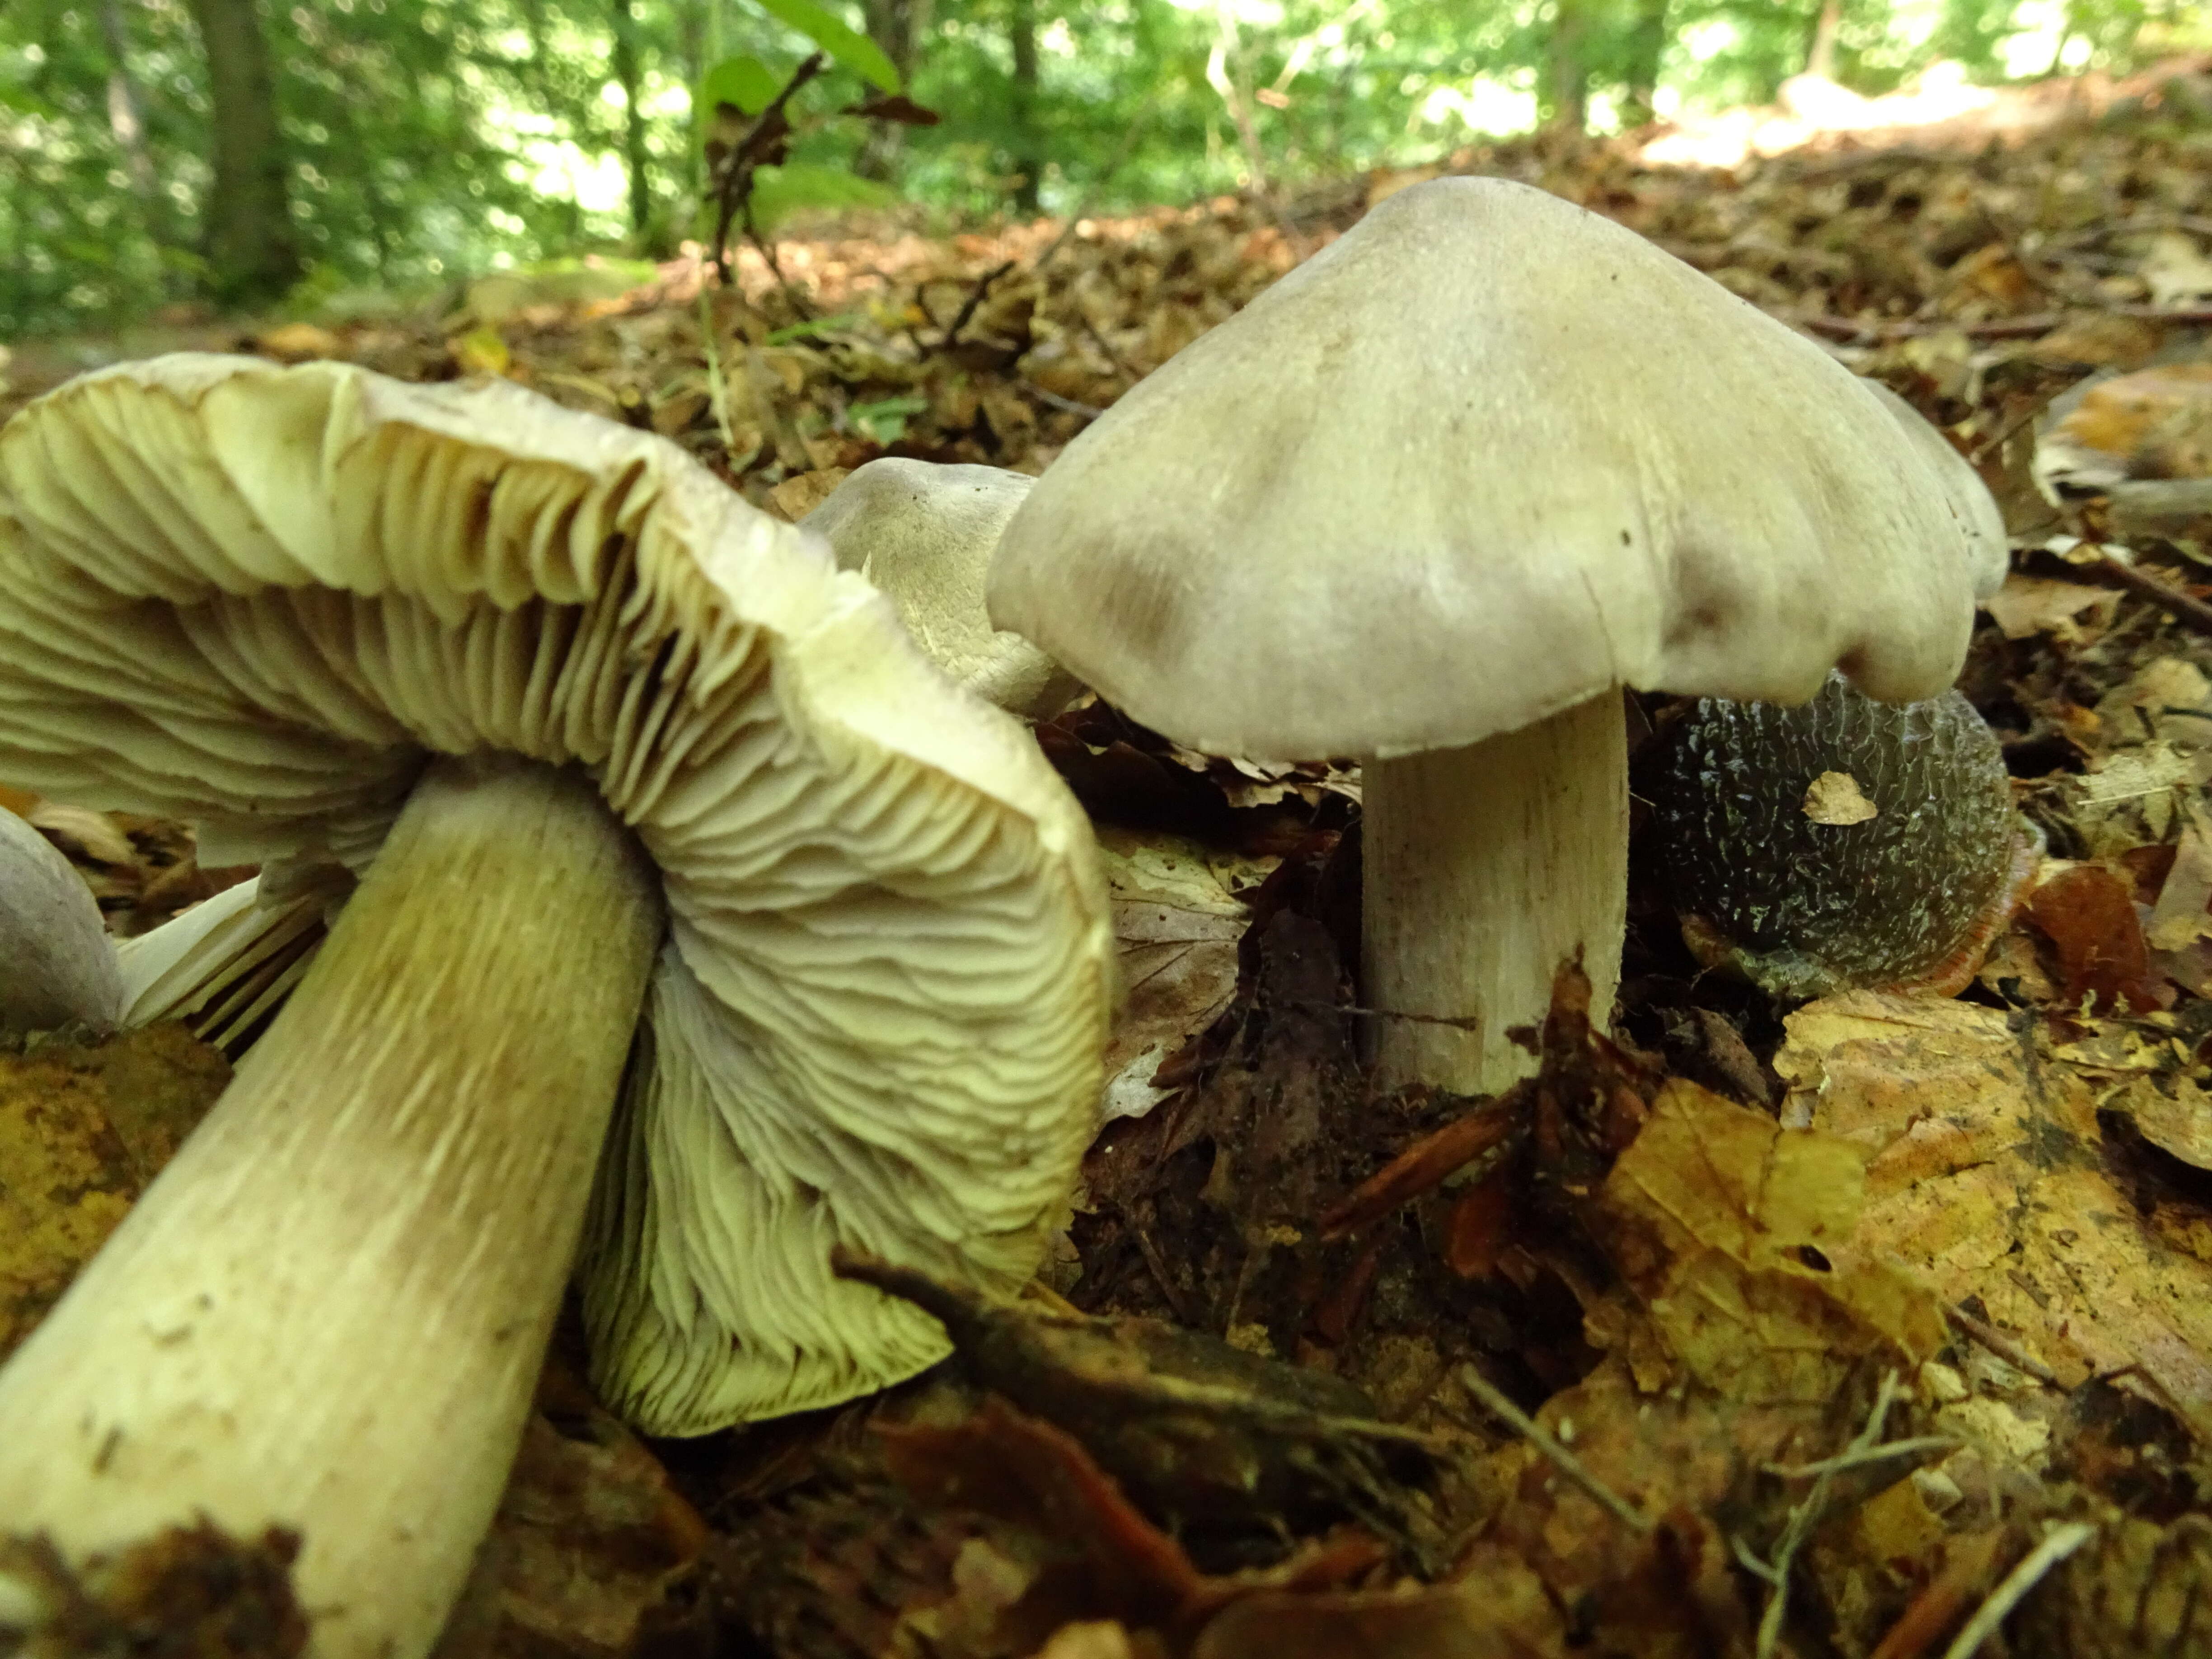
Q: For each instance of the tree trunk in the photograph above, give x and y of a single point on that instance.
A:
(1647, 45)
(1820, 51)
(630, 72)
(126, 111)
(1567, 67)
(1028, 143)
(251, 253)
(898, 27)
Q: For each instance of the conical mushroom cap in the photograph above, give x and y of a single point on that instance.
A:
(1482, 459)
(259, 599)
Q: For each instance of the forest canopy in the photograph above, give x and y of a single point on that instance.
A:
(317, 151)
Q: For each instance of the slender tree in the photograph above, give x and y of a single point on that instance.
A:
(1029, 142)
(1647, 46)
(630, 72)
(1566, 65)
(252, 252)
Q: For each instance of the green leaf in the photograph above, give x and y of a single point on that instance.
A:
(838, 38)
(814, 326)
(747, 83)
(779, 192)
(884, 420)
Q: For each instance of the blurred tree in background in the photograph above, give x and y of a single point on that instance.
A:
(246, 150)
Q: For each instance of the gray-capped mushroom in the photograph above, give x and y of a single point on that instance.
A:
(57, 962)
(1432, 499)
(923, 533)
(646, 798)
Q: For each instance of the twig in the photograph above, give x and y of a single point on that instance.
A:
(1424, 1166)
(2002, 1346)
(2002, 328)
(1068, 405)
(1804, 1518)
(2057, 1545)
(761, 143)
(975, 297)
(1564, 1461)
(2185, 607)
(1856, 1459)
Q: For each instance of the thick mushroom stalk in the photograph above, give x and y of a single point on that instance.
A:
(329, 1312)
(1483, 869)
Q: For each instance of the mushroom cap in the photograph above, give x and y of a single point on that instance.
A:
(1484, 458)
(57, 962)
(260, 599)
(923, 533)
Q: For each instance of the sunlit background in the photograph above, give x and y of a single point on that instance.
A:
(423, 140)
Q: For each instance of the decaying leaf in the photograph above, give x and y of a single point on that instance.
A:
(1722, 1211)
(188, 1593)
(1986, 1179)
(1835, 798)
(82, 1130)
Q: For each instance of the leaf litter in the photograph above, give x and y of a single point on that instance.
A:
(1874, 1326)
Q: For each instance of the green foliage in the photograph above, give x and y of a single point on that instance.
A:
(429, 140)
(797, 185)
(743, 81)
(845, 44)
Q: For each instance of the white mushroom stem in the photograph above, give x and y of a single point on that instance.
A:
(1483, 869)
(328, 1313)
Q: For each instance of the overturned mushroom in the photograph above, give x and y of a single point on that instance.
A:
(1903, 891)
(1432, 499)
(924, 534)
(600, 739)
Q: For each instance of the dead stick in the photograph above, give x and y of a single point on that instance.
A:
(1566, 1462)
(2002, 1346)
(2185, 607)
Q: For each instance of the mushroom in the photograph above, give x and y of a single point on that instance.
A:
(597, 738)
(923, 534)
(1432, 499)
(57, 963)
(1902, 892)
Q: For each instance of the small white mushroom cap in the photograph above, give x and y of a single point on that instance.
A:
(263, 598)
(1483, 458)
(923, 534)
(57, 962)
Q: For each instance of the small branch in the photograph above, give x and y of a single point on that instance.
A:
(1844, 330)
(976, 298)
(2184, 607)
(1806, 1516)
(1067, 405)
(1844, 1461)
(2061, 1542)
(1564, 1461)
(2002, 1346)
(765, 142)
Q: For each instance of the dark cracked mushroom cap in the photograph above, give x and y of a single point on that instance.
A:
(1902, 890)
(638, 784)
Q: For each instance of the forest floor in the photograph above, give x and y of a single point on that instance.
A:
(1862, 1326)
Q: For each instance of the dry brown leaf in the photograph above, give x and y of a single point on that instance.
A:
(1835, 798)
(82, 1130)
(1986, 1183)
(2089, 913)
(84, 835)
(2070, 612)
(1494, 1607)
(1723, 1206)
